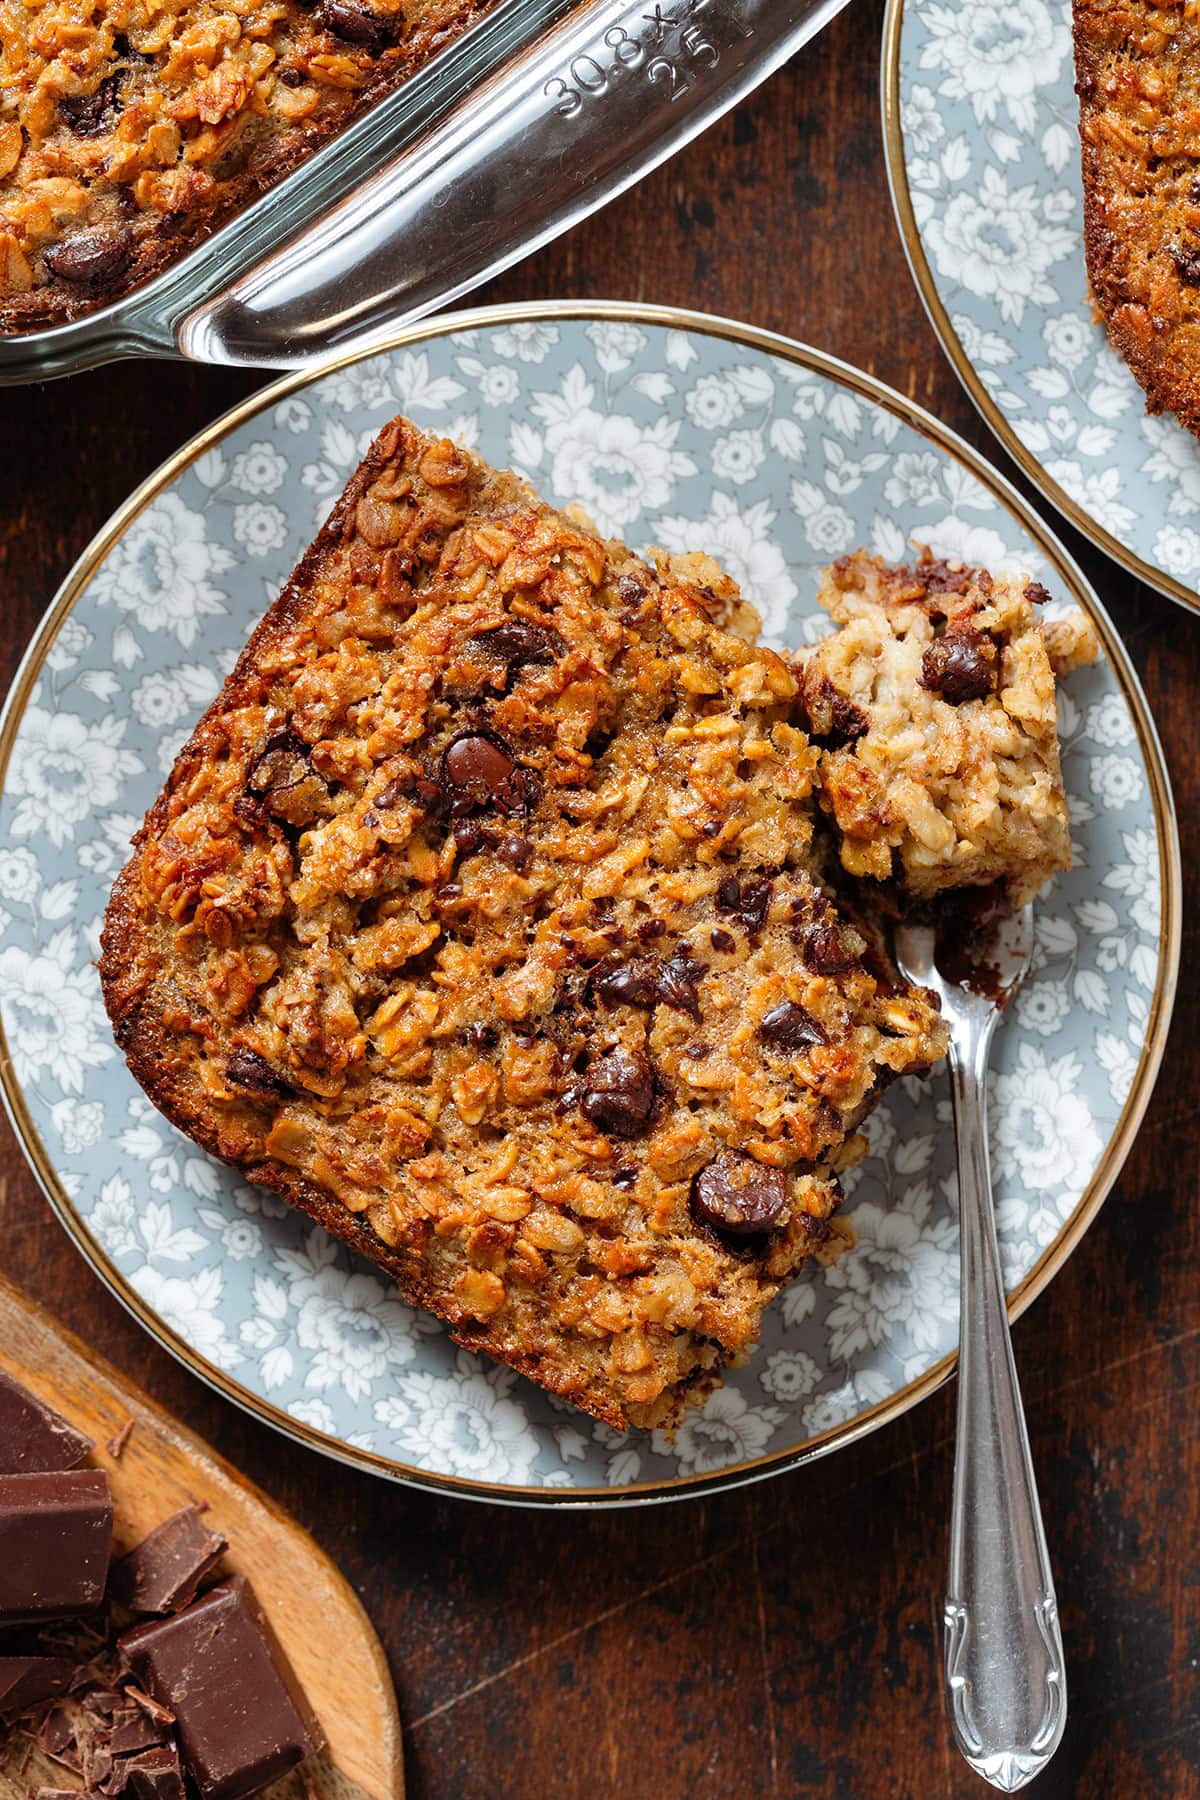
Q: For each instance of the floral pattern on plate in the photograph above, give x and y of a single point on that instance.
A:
(672, 437)
(990, 127)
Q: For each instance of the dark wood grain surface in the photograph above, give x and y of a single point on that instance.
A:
(783, 1639)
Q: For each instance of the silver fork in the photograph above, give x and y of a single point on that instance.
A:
(1006, 1682)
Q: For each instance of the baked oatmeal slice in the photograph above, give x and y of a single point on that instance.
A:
(933, 705)
(476, 919)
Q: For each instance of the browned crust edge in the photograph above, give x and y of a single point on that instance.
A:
(61, 302)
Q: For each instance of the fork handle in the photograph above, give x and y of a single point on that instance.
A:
(1005, 1677)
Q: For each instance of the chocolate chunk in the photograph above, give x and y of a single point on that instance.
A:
(749, 901)
(285, 779)
(723, 941)
(162, 1573)
(618, 1093)
(477, 761)
(247, 1069)
(825, 952)
(649, 929)
(91, 258)
(58, 1735)
(631, 590)
(1186, 258)
(34, 1439)
(419, 790)
(519, 642)
(677, 979)
(483, 771)
(624, 1178)
(517, 852)
(25, 1681)
(133, 1729)
(359, 24)
(790, 1026)
(89, 114)
(960, 666)
(831, 716)
(736, 1194)
(242, 1718)
(480, 1036)
(55, 1537)
(647, 981)
(153, 1774)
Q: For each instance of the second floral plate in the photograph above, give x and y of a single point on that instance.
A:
(669, 429)
(981, 125)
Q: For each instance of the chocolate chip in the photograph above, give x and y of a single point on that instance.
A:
(736, 1194)
(749, 901)
(624, 1178)
(517, 852)
(358, 24)
(1186, 258)
(1036, 594)
(649, 929)
(89, 114)
(292, 78)
(484, 772)
(631, 590)
(647, 981)
(93, 257)
(518, 642)
(754, 905)
(960, 666)
(285, 779)
(418, 790)
(618, 1093)
(480, 1036)
(790, 1026)
(476, 761)
(721, 940)
(247, 1069)
(825, 953)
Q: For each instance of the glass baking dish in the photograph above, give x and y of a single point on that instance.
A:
(540, 113)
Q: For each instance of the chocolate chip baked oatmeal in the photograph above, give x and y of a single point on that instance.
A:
(934, 711)
(128, 131)
(478, 919)
(1137, 66)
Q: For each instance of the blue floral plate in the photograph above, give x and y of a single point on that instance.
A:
(670, 429)
(981, 125)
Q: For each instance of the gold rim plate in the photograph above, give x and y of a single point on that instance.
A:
(964, 368)
(1117, 1148)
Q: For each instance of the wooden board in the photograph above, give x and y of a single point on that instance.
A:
(319, 1621)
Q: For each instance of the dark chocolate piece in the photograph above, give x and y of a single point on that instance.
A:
(33, 1437)
(132, 1730)
(162, 1573)
(153, 1774)
(26, 1681)
(738, 1195)
(242, 1718)
(55, 1538)
(618, 1095)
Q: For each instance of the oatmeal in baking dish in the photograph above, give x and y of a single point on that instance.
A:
(130, 129)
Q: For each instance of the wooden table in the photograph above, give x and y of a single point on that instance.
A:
(784, 1639)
